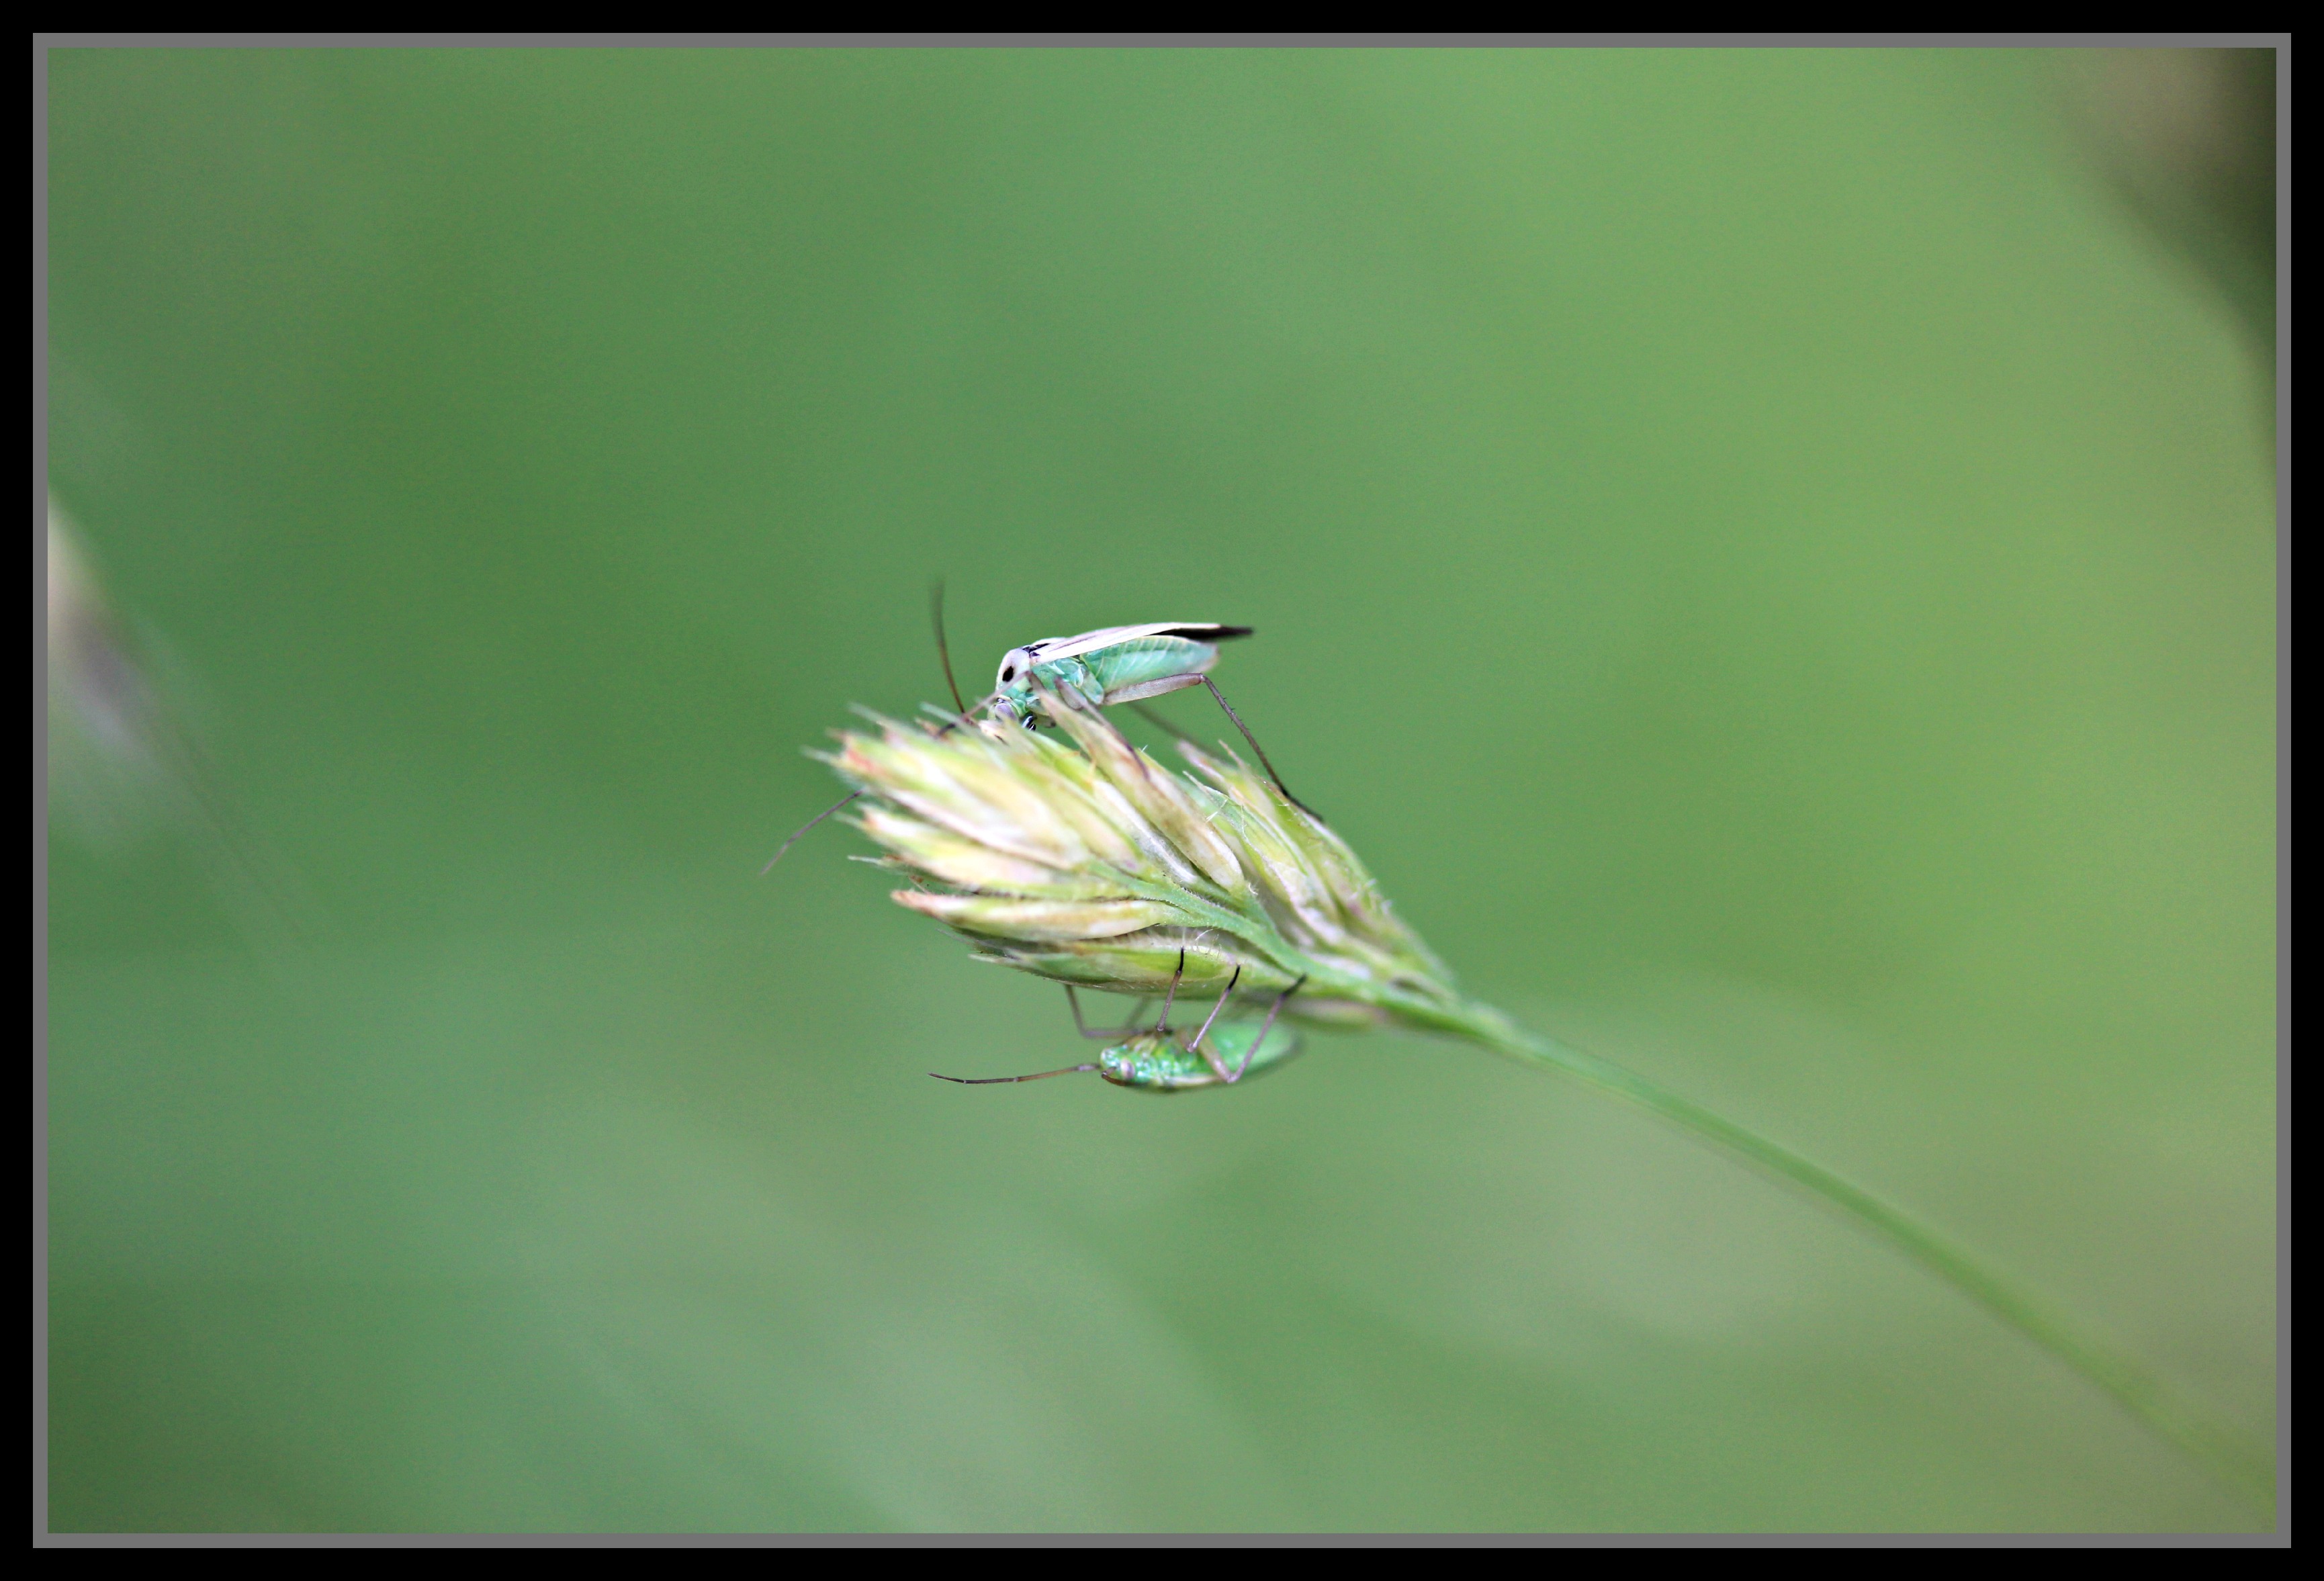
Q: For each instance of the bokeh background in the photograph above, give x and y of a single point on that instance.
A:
(1769, 555)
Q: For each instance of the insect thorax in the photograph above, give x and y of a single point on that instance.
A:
(1069, 675)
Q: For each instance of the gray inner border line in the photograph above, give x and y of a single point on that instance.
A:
(43, 42)
(1349, 41)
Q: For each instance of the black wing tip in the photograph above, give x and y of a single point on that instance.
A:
(1206, 633)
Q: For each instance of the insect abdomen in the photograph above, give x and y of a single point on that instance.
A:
(1143, 660)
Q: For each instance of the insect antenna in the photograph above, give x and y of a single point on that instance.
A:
(1271, 774)
(803, 828)
(1035, 1076)
(944, 657)
(944, 650)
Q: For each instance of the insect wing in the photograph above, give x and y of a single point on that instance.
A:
(1148, 667)
(1090, 642)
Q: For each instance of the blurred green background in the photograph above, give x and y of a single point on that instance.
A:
(1770, 556)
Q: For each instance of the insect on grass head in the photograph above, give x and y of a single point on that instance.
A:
(1078, 857)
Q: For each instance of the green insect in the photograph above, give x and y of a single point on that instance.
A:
(1115, 664)
(1097, 669)
(1159, 1060)
(1119, 664)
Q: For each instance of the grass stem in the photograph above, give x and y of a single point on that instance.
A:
(2244, 1468)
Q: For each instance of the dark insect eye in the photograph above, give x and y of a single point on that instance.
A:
(1009, 673)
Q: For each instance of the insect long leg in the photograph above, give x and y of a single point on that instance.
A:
(964, 716)
(1163, 1025)
(1265, 1027)
(803, 828)
(1035, 1076)
(1214, 1062)
(1263, 763)
(1136, 1011)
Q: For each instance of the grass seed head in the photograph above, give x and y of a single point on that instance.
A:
(1093, 864)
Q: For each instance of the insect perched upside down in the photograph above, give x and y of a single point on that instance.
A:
(1157, 1059)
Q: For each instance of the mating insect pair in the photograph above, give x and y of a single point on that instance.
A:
(1097, 669)
(1160, 1060)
